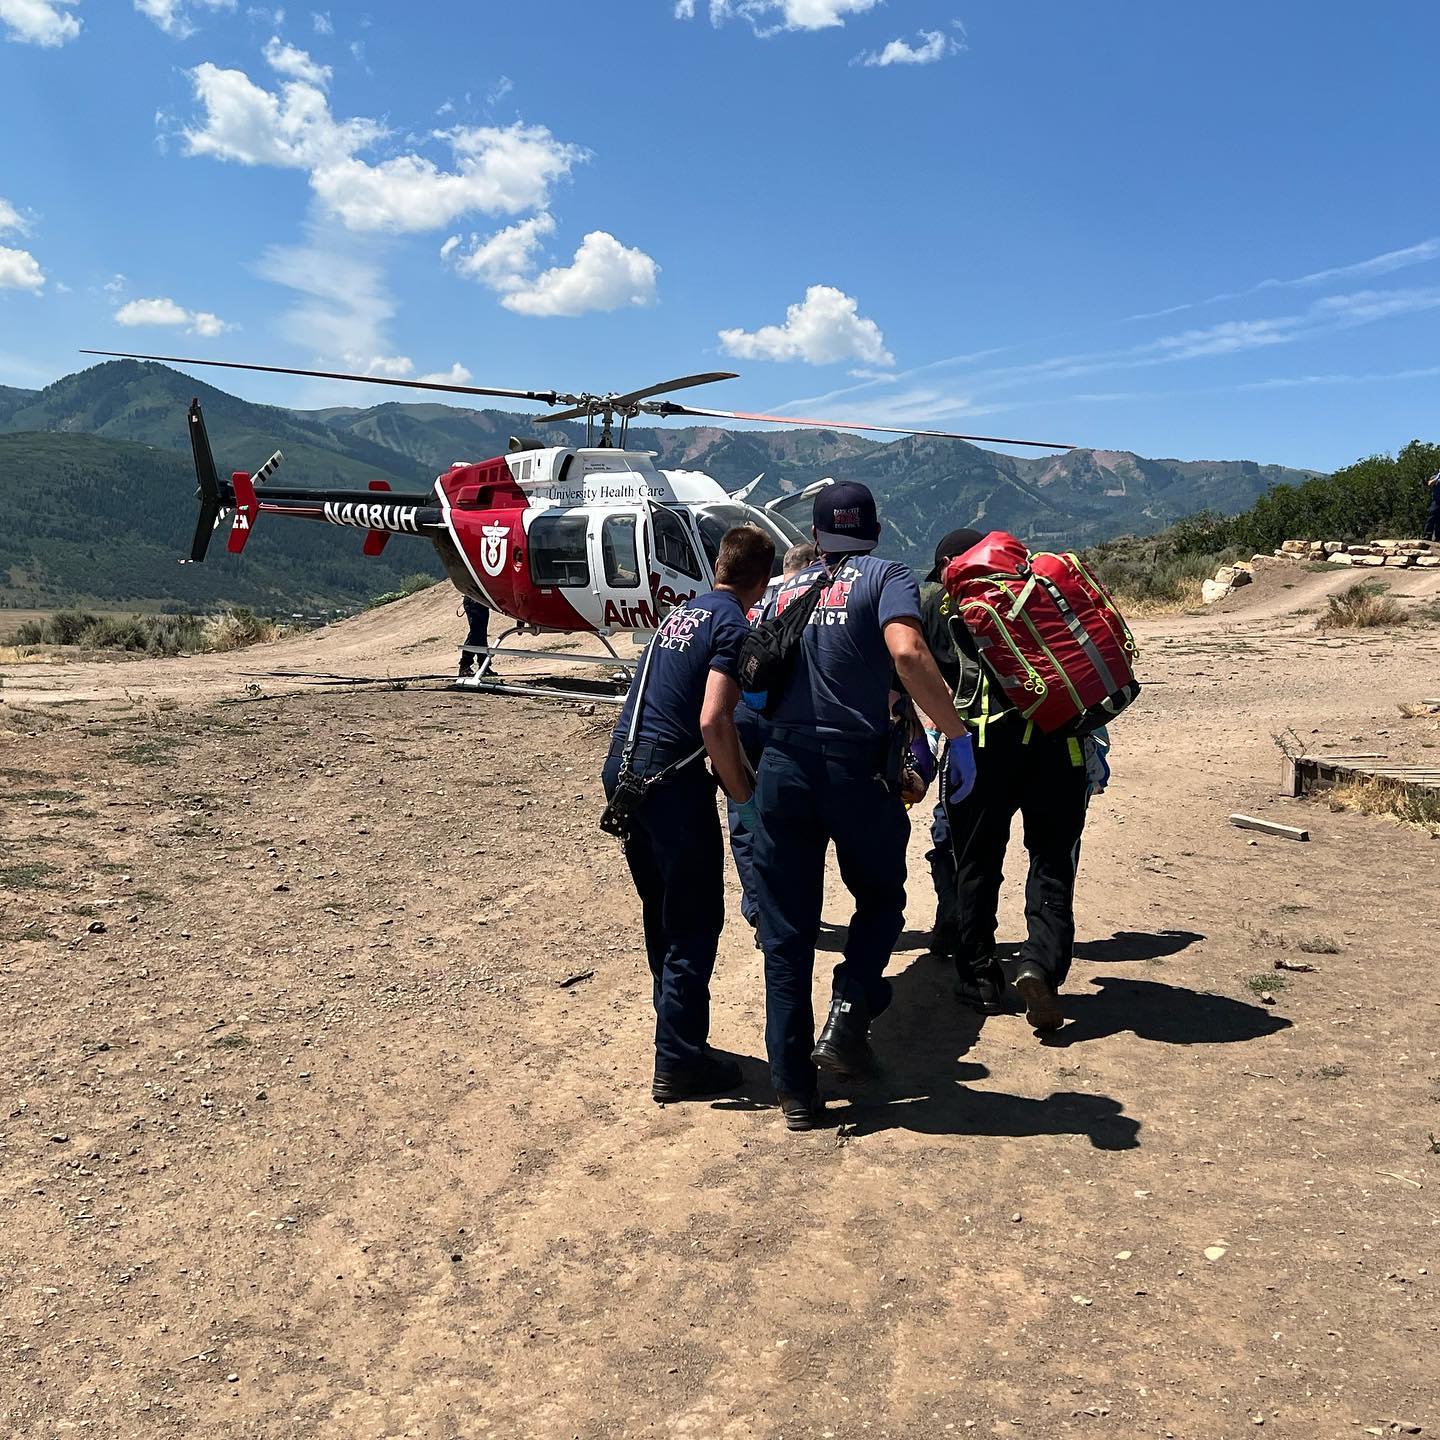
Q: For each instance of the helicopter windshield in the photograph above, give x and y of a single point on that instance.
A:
(715, 520)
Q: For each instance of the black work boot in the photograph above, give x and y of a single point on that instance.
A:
(713, 1075)
(843, 1048)
(982, 987)
(1042, 1004)
(802, 1112)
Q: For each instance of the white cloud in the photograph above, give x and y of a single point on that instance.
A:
(115, 285)
(499, 90)
(344, 307)
(822, 329)
(768, 17)
(505, 259)
(457, 374)
(497, 170)
(393, 367)
(11, 220)
(38, 22)
(934, 45)
(1384, 264)
(321, 21)
(172, 17)
(19, 270)
(604, 274)
(290, 61)
(164, 311)
(294, 129)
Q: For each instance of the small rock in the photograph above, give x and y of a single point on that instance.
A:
(1216, 1252)
(1123, 1254)
(584, 709)
(281, 888)
(1081, 1300)
(61, 1139)
(96, 927)
(232, 1378)
(1016, 1218)
(1266, 998)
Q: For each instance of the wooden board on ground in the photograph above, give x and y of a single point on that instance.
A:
(1269, 827)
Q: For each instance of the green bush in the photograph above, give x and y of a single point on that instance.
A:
(408, 586)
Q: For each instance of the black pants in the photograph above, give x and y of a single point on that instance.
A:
(1042, 781)
(1432, 520)
(807, 798)
(479, 634)
(677, 862)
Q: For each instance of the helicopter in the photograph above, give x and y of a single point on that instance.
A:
(595, 539)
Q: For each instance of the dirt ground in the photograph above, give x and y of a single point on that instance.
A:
(324, 1042)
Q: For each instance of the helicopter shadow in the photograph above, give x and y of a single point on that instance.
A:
(924, 1084)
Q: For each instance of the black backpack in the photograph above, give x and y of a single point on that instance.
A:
(767, 658)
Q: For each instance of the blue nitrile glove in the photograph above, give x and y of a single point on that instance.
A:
(922, 759)
(749, 816)
(959, 769)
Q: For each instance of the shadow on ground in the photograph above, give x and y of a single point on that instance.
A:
(922, 1041)
(1169, 1014)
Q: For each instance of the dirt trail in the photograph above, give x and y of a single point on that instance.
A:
(310, 1140)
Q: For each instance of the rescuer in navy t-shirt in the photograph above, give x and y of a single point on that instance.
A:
(823, 779)
(686, 692)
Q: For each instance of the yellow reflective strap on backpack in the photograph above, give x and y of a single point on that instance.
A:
(1077, 755)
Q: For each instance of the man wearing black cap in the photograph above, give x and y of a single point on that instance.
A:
(824, 779)
(935, 621)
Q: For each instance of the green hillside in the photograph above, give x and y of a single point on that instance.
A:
(87, 520)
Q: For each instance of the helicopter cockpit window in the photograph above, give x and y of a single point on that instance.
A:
(672, 544)
(557, 550)
(617, 546)
(715, 520)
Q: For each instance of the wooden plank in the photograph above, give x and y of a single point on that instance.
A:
(1289, 777)
(1269, 827)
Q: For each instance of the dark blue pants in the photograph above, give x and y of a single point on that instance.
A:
(677, 862)
(752, 730)
(1432, 521)
(807, 799)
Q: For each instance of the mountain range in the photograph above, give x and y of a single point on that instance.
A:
(96, 486)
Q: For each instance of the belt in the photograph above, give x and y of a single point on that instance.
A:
(796, 737)
(649, 758)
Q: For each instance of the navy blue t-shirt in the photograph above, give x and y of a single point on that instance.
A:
(841, 684)
(703, 635)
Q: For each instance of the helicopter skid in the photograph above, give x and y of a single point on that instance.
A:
(610, 690)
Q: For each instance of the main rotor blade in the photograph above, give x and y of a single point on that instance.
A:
(619, 402)
(544, 397)
(668, 407)
(683, 383)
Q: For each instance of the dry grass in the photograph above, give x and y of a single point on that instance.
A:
(1186, 596)
(1410, 804)
(1363, 606)
(235, 629)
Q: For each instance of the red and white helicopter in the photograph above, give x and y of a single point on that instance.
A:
(594, 539)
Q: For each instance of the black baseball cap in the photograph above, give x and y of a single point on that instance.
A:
(957, 542)
(845, 519)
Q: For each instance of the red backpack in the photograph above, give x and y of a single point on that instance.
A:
(1046, 631)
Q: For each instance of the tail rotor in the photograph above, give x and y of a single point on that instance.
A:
(208, 491)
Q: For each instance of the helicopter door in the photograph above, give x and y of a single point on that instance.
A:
(678, 567)
(617, 541)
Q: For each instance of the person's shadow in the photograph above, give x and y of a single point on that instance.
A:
(1169, 1014)
(1126, 945)
(922, 1086)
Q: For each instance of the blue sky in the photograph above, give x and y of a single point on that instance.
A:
(1202, 232)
